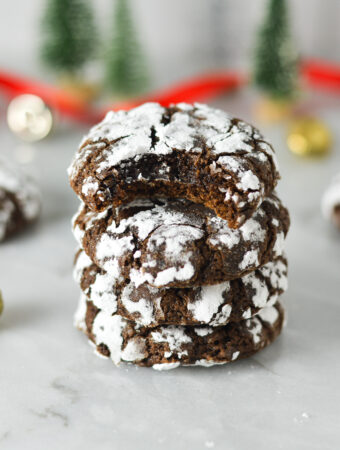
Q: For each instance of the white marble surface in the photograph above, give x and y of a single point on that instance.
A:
(55, 393)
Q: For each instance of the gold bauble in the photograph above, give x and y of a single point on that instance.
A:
(83, 91)
(308, 136)
(29, 118)
(269, 110)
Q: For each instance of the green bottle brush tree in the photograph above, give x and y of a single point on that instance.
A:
(126, 70)
(275, 71)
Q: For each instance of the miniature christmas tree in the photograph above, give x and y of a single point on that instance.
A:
(69, 35)
(126, 66)
(275, 58)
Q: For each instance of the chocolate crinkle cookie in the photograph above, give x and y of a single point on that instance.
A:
(231, 301)
(174, 242)
(331, 202)
(185, 151)
(20, 199)
(167, 347)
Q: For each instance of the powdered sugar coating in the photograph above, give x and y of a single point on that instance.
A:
(167, 347)
(166, 366)
(269, 315)
(235, 151)
(168, 242)
(207, 305)
(20, 198)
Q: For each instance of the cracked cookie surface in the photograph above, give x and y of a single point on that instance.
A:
(167, 347)
(231, 301)
(185, 151)
(178, 243)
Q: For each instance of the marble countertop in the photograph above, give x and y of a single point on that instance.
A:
(55, 393)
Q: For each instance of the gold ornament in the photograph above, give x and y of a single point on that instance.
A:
(83, 91)
(1, 304)
(29, 118)
(269, 110)
(309, 137)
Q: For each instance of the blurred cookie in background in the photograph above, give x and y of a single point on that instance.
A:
(20, 199)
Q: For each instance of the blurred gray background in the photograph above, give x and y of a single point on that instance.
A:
(54, 393)
(181, 37)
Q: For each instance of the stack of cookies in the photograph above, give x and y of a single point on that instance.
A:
(180, 237)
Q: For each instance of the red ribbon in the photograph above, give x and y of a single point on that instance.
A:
(321, 74)
(202, 88)
(57, 99)
(316, 74)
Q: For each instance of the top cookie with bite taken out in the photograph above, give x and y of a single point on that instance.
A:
(185, 151)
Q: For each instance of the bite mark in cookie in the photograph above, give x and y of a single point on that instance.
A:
(185, 151)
